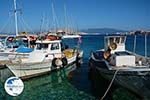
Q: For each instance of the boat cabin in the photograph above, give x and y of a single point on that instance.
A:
(118, 55)
(118, 41)
(45, 50)
(49, 46)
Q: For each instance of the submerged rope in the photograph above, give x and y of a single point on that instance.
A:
(110, 85)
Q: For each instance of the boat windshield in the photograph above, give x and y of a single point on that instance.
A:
(122, 39)
(117, 40)
(41, 46)
(111, 40)
(55, 46)
(16, 43)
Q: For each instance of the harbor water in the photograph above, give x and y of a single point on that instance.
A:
(75, 83)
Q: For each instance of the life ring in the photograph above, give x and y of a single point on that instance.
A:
(64, 61)
(113, 46)
(56, 62)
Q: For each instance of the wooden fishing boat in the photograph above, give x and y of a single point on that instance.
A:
(131, 70)
(48, 55)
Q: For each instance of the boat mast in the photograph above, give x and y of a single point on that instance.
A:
(15, 12)
(53, 13)
(145, 45)
(54, 18)
(134, 44)
(42, 23)
(66, 29)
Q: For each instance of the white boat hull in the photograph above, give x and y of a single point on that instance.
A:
(28, 70)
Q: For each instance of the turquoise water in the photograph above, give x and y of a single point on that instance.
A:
(74, 84)
(54, 86)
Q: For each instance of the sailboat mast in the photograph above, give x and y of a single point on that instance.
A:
(15, 12)
(145, 45)
(42, 23)
(53, 13)
(134, 44)
(66, 27)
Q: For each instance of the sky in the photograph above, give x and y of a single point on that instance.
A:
(81, 14)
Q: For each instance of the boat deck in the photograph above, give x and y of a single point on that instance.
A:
(144, 66)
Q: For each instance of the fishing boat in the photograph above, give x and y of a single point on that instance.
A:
(17, 46)
(126, 68)
(49, 54)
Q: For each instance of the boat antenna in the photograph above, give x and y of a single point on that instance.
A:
(15, 12)
(145, 45)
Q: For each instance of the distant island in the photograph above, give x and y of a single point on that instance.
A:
(110, 31)
(102, 31)
(94, 31)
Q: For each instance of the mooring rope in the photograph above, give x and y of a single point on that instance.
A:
(110, 85)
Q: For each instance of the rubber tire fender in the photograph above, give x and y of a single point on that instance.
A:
(54, 62)
(64, 61)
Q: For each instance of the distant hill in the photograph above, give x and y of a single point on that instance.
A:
(102, 30)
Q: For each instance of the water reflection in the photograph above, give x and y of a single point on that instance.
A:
(53, 86)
